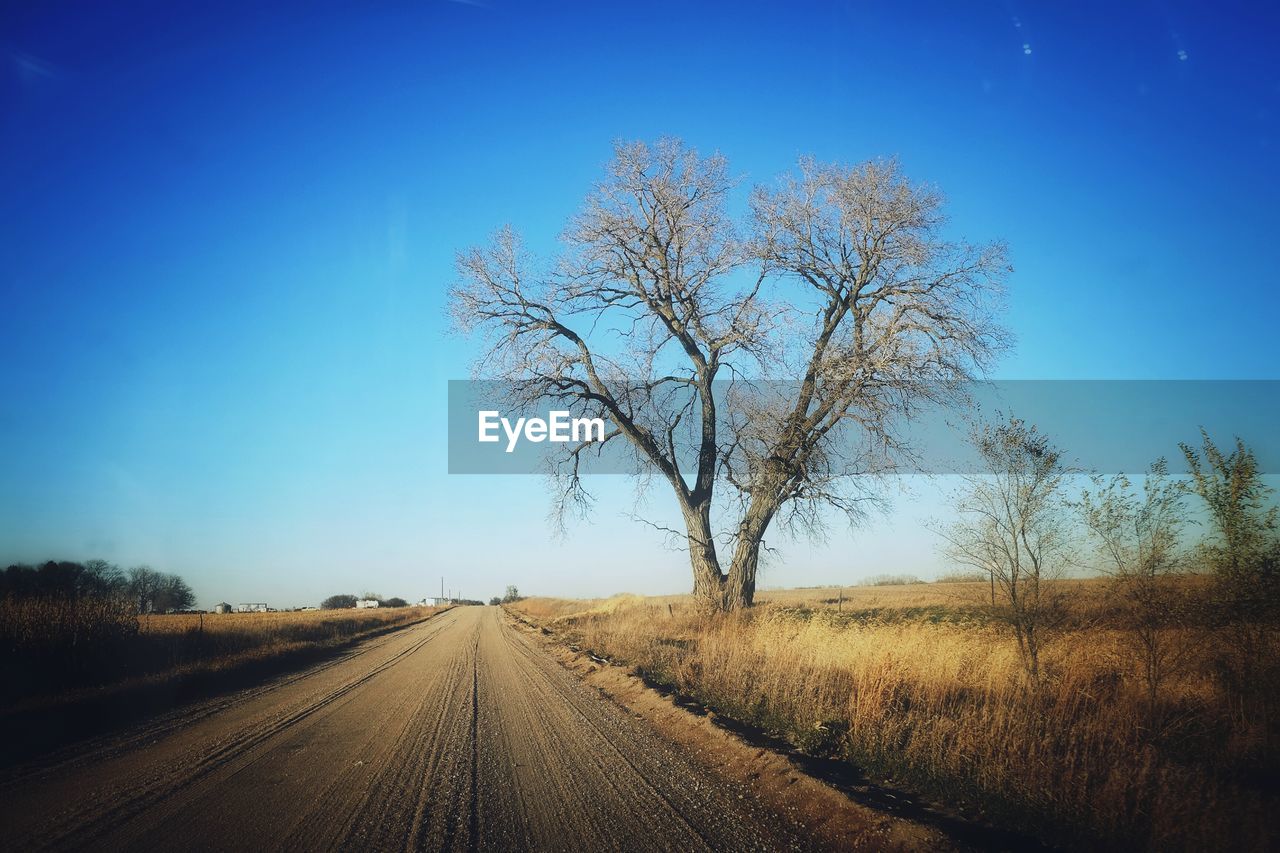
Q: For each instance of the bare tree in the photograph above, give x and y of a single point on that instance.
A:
(144, 584)
(1138, 538)
(156, 592)
(663, 315)
(101, 578)
(1013, 526)
(173, 593)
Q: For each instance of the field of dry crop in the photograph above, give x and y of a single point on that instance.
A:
(220, 639)
(917, 685)
(53, 647)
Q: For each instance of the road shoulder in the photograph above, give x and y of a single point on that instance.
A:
(829, 817)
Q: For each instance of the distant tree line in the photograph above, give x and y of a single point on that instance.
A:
(344, 601)
(890, 580)
(511, 596)
(962, 577)
(64, 623)
(147, 590)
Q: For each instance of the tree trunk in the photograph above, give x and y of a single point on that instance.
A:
(708, 580)
(740, 586)
(714, 590)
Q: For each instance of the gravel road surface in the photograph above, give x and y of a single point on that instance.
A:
(455, 733)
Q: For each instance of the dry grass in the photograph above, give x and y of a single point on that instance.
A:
(911, 683)
(215, 639)
(53, 647)
(277, 626)
(1088, 596)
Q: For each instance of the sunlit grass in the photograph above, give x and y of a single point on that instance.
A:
(213, 637)
(912, 683)
(54, 646)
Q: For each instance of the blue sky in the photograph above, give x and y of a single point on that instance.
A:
(227, 233)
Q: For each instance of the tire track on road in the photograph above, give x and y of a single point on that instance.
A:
(101, 747)
(104, 812)
(457, 735)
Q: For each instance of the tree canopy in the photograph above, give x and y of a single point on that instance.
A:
(665, 315)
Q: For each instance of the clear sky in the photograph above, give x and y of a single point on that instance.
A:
(226, 235)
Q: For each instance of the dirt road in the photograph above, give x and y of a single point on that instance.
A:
(456, 733)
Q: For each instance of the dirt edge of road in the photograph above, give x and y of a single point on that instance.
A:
(837, 813)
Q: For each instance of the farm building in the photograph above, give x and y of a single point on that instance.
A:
(222, 607)
(252, 608)
(368, 602)
(432, 602)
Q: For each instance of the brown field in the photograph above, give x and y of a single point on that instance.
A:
(226, 638)
(276, 626)
(1087, 596)
(917, 686)
(55, 648)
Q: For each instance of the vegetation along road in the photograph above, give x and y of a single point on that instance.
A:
(455, 733)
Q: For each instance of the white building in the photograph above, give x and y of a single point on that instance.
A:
(252, 608)
(368, 602)
(433, 602)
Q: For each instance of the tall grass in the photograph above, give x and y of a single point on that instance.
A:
(50, 642)
(939, 701)
(52, 645)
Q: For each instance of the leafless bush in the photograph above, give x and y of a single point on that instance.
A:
(1013, 526)
(1138, 538)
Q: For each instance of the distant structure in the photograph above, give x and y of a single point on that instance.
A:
(368, 602)
(222, 607)
(432, 602)
(252, 608)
